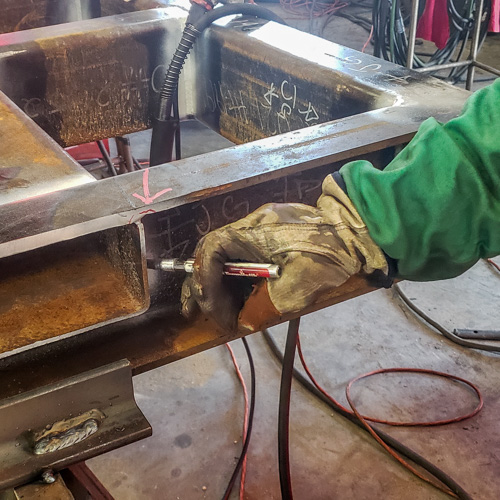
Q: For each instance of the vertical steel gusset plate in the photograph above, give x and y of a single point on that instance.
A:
(68, 421)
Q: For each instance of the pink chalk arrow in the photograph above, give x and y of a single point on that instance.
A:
(147, 198)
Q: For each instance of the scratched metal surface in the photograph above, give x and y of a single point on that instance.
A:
(18, 15)
(379, 107)
(120, 200)
(110, 69)
(31, 162)
(250, 80)
(262, 79)
(24, 14)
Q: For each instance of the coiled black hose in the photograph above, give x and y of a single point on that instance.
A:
(163, 127)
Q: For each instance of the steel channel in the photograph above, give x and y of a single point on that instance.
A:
(386, 103)
(107, 389)
(32, 164)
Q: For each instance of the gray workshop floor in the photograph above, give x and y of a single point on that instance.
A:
(196, 407)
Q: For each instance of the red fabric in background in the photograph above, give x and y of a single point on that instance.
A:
(495, 17)
(434, 25)
(87, 151)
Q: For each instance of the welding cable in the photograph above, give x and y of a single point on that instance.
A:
(244, 449)
(493, 264)
(356, 19)
(430, 423)
(387, 438)
(364, 419)
(163, 126)
(309, 9)
(178, 129)
(389, 32)
(137, 165)
(245, 416)
(284, 409)
(440, 328)
(368, 40)
(379, 440)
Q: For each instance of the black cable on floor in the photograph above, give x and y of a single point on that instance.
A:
(244, 449)
(394, 443)
(440, 328)
(284, 409)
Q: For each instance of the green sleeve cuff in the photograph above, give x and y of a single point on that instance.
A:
(436, 207)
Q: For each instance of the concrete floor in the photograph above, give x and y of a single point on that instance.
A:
(196, 407)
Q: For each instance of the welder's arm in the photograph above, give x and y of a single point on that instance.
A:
(435, 209)
(318, 249)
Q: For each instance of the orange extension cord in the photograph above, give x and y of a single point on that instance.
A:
(365, 419)
(245, 418)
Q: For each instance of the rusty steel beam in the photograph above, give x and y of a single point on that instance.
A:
(285, 168)
(375, 106)
(19, 15)
(246, 80)
(262, 79)
(92, 79)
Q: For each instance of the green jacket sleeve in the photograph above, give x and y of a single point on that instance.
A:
(436, 207)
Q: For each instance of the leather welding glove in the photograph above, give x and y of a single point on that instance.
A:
(318, 249)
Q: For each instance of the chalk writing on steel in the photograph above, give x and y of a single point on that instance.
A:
(147, 198)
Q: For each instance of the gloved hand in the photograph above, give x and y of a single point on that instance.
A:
(318, 249)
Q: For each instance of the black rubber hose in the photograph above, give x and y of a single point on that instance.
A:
(394, 443)
(189, 35)
(246, 9)
(163, 131)
(284, 409)
(440, 328)
(106, 158)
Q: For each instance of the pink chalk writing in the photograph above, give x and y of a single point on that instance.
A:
(147, 198)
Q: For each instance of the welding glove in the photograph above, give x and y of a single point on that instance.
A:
(317, 248)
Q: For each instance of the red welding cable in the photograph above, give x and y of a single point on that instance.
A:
(245, 419)
(368, 40)
(493, 263)
(364, 420)
(429, 423)
(395, 455)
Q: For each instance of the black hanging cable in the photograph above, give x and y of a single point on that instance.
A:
(440, 328)
(284, 409)
(391, 441)
(178, 153)
(390, 38)
(244, 449)
(164, 129)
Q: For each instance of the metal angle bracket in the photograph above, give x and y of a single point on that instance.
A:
(68, 421)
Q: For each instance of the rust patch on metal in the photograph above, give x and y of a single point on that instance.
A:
(60, 298)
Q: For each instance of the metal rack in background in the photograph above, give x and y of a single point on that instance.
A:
(471, 63)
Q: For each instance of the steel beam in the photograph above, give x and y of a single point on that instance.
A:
(91, 79)
(270, 79)
(246, 80)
